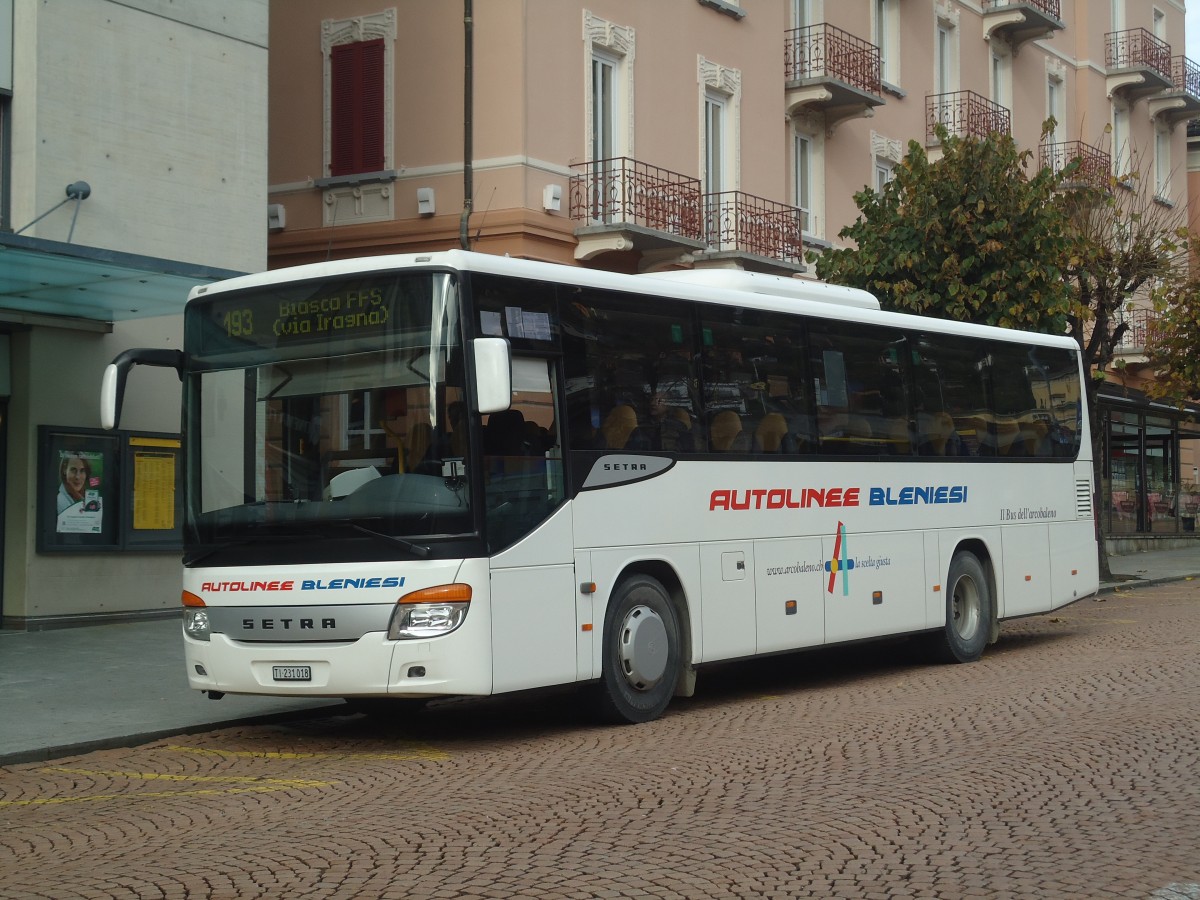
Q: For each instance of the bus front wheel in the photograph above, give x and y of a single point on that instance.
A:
(968, 611)
(641, 652)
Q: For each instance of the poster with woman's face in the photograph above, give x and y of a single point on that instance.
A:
(79, 505)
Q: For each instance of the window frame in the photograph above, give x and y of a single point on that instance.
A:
(338, 33)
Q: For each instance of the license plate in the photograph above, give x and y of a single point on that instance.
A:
(291, 673)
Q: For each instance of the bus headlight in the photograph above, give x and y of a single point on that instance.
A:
(431, 612)
(195, 617)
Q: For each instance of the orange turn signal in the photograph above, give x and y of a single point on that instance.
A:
(190, 599)
(442, 593)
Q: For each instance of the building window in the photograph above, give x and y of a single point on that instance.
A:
(1159, 24)
(356, 108)
(1117, 14)
(604, 106)
(887, 153)
(802, 13)
(1162, 163)
(1054, 107)
(1120, 141)
(885, 31)
(945, 49)
(714, 143)
(885, 171)
(609, 50)
(358, 56)
(808, 173)
(1001, 76)
(803, 176)
(720, 134)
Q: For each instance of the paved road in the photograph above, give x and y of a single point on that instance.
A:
(1064, 764)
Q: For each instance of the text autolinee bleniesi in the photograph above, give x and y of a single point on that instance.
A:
(306, 584)
(805, 498)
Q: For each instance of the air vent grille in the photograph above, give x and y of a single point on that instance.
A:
(1083, 498)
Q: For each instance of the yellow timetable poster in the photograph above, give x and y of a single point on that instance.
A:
(154, 488)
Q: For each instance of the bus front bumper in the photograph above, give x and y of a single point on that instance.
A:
(371, 666)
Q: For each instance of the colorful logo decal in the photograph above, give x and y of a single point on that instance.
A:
(841, 562)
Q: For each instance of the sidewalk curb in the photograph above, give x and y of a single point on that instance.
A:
(1137, 581)
(45, 754)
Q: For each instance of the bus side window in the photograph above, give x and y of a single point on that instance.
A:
(629, 373)
(1037, 412)
(952, 407)
(858, 380)
(752, 364)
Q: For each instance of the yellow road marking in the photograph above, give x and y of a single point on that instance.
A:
(417, 751)
(144, 795)
(157, 776)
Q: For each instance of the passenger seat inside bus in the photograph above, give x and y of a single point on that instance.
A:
(618, 425)
(725, 434)
(770, 434)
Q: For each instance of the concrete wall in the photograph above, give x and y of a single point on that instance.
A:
(160, 105)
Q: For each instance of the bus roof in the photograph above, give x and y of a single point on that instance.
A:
(723, 287)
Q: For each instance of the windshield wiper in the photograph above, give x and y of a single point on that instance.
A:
(240, 542)
(415, 549)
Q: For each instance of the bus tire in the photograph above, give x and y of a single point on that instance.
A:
(968, 611)
(641, 652)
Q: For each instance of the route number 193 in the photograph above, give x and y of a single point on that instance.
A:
(239, 323)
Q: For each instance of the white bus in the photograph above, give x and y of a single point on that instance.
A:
(460, 474)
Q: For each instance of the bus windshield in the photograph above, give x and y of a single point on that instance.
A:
(328, 409)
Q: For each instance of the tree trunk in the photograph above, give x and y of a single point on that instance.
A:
(1091, 390)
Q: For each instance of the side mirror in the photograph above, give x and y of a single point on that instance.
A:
(112, 387)
(493, 374)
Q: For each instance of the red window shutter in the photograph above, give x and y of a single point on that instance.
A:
(356, 114)
(372, 106)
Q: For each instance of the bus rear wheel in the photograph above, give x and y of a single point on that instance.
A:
(641, 652)
(968, 611)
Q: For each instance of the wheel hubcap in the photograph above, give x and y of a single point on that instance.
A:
(643, 648)
(966, 608)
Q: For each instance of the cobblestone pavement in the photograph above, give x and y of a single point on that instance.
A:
(1064, 764)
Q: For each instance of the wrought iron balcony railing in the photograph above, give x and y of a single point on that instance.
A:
(1052, 8)
(1186, 75)
(1095, 166)
(965, 114)
(823, 51)
(624, 191)
(734, 220)
(1141, 324)
(1137, 48)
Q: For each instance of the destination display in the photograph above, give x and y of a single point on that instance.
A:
(281, 317)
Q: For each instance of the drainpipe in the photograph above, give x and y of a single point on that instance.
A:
(464, 232)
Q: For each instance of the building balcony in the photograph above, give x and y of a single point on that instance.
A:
(1181, 101)
(1140, 324)
(1095, 166)
(1018, 21)
(752, 233)
(1138, 63)
(831, 71)
(623, 204)
(964, 114)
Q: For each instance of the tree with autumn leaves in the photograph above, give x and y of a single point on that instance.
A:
(981, 235)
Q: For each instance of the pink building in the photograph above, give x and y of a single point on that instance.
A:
(590, 116)
(635, 136)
